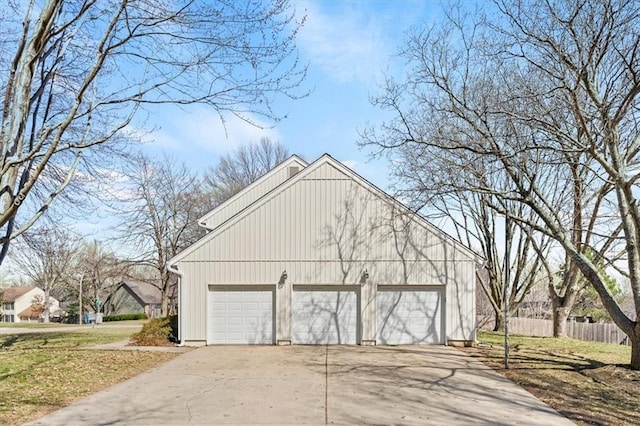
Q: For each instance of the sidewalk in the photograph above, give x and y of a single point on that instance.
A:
(123, 345)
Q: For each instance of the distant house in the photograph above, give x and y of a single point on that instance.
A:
(17, 304)
(134, 297)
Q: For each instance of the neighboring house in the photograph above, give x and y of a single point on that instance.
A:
(134, 297)
(17, 304)
(315, 254)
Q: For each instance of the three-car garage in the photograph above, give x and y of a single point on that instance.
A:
(313, 254)
(325, 315)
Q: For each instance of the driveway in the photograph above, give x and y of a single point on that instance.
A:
(313, 385)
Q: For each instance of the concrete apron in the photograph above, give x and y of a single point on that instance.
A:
(313, 385)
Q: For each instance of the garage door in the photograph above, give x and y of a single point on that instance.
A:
(240, 315)
(409, 315)
(324, 316)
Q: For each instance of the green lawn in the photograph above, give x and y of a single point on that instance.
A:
(70, 326)
(35, 325)
(588, 382)
(41, 372)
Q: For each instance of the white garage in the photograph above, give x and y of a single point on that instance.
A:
(240, 315)
(324, 315)
(409, 315)
(315, 254)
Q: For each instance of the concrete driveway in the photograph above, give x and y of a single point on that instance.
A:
(313, 385)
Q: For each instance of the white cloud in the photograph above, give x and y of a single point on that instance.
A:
(350, 164)
(203, 128)
(348, 45)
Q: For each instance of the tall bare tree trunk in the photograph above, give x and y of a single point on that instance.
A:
(562, 300)
(498, 324)
(47, 305)
(560, 315)
(164, 307)
(635, 347)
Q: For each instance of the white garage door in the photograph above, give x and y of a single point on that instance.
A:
(409, 315)
(324, 316)
(240, 315)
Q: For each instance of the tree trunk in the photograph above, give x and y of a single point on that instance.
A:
(47, 304)
(635, 353)
(563, 304)
(560, 315)
(164, 307)
(498, 324)
(635, 347)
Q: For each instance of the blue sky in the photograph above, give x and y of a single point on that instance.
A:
(349, 45)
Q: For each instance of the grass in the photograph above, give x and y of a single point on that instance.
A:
(588, 382)
(34, 325)
(42, 372)
(64, 325)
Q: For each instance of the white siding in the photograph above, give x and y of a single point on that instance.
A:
(334, 220)
(325, 227)
(460, 308)
(250, 194)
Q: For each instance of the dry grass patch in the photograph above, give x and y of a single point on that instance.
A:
(35, 325)
(588, 382)
(42, 372)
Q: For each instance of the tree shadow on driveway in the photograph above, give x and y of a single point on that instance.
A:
(424, 385)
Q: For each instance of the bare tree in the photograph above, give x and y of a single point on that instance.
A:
(48, 257)
(101, 270)
(431, 186)
(476, 225)
(530, 94)
(159, 217)
(75, 73)
(236, 170)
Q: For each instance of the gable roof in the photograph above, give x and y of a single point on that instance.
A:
(146, 293)
(292, 161)
(11, 294)
(29, 313)
(323, 160)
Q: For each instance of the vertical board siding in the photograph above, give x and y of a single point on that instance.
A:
(325, 272)
(250, 195)
(286, 228)
(326, 228)
(193, 309)
(460, 304)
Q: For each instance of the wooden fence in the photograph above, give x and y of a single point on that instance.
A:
(606, 333)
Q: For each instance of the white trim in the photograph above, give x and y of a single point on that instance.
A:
(180, 274)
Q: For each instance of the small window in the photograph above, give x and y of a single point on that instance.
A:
(293, 170)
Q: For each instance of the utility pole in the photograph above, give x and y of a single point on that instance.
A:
(80, 299)
(507, 273)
